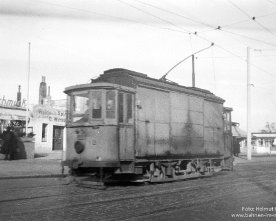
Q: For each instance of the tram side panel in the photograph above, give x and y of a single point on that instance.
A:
(171, 123)
(186, 124)
(153, 122)
(213, 128)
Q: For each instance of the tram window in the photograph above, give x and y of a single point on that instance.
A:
(80, 108)
(121, 107)
(129, 108)
(110, 104)
(97, 104)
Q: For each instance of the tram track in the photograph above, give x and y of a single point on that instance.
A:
(116, 196)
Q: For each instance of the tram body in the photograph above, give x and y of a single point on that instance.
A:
(125, 122)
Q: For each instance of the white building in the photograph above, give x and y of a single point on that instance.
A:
(47, 121)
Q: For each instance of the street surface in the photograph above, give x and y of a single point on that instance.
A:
(247, 191)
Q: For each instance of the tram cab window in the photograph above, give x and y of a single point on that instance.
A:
(121, 108)
(129, 105)
(80, 105)
(96, 104)
(110, 104)
(125, 108)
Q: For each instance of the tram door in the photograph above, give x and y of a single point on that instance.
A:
(126, 126)
(58, 137)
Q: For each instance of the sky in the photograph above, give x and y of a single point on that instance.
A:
(73, 41)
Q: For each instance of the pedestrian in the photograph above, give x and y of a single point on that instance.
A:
(5, 147)
(12, 145)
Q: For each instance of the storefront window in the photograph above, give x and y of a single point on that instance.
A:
(110, 104)
(80, 108)
(96, 104)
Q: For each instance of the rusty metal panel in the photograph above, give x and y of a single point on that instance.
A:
(213, 114)
(187, 124)
(95, 146)
(213, 131)
(152, 122)
(196, 104)
(179, 115)
(196, 117)
(180, 129)
(126, 142)
(179, 101)
(145, 139)
(162, 141)
(187, 145)
(154, 105)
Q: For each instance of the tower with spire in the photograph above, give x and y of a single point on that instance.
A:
(18, 100)
(42, 91)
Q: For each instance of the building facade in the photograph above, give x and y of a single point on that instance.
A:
(262, 143)
(47, 121)
(13, 113)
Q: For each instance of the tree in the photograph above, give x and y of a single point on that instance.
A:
(270, 127)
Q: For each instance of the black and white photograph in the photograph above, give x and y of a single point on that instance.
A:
(156, 110)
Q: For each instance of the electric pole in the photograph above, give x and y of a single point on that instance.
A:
(249, 147)
(28, 87)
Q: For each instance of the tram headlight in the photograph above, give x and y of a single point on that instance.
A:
(79, 147)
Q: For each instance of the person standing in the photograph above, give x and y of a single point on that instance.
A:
(10, 144)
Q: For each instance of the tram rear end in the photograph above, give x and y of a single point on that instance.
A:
(93, 130)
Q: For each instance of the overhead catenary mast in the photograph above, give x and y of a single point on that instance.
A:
(249, 147)
(28, 87)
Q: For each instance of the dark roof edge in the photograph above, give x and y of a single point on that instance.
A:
(142, 79)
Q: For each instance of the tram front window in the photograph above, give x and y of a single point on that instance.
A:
(96, 104)
(80, 108)
(110, 104)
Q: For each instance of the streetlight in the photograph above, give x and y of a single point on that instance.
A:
(192, 55)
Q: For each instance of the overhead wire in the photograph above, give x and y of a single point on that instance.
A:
(107, 15)
(252, 18)
(228, 51)
(273, 3)
(177, 14)
(148, 13)
(183, 31)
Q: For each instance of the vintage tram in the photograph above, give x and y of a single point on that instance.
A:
(126, 125)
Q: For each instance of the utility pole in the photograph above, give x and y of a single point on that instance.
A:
(193, 70)
(28, 87)
(249, 147)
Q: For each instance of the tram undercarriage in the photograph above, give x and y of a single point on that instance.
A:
(149, 172)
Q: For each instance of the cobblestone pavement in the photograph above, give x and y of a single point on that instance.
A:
(249, 187)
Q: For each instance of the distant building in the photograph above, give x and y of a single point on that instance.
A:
(238, 137)
(47, 121)
(262, 143)
(13, 113)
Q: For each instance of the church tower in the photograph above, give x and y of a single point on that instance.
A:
(42, 91)
(18, 100)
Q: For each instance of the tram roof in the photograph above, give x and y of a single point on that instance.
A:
(133, 79)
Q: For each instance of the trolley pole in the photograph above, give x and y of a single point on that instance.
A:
(28, 87)
(249, 147)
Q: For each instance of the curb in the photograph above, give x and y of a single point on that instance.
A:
(34, 176)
